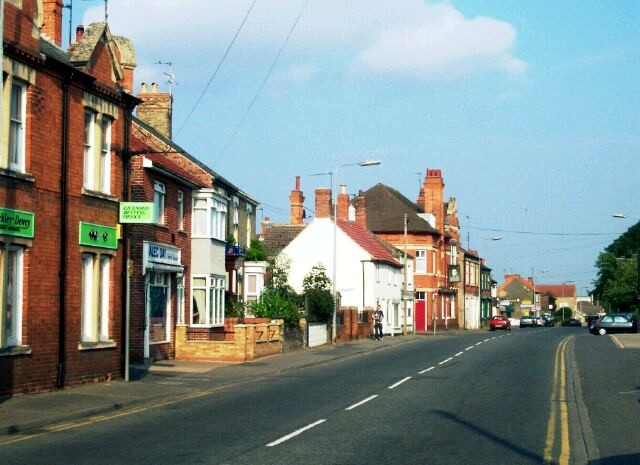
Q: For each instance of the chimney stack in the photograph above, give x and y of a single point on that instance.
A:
(156, 109)
(343, 203)
(52, 27)
(323, 202)
(434, 197)
(361, 212)
(296, 199)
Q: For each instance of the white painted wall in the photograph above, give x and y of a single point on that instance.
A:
(358, 280)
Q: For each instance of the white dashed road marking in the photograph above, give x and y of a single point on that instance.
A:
(295, 433)
(424, 371)
(400, 382)
(445, 361)
(362, 402)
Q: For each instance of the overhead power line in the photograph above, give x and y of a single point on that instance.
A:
(262, 84)
(534, 233)
(213, 76)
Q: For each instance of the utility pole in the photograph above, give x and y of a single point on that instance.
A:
(404, 285)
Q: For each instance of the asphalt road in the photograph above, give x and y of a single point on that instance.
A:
(477, 398)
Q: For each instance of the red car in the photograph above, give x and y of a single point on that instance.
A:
(499, 322)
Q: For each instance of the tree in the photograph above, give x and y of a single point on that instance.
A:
(319, 303)
(616, 286)
(278, 300)
(256, 252)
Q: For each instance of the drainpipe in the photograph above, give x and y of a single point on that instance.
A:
(62, 330)
(126, 275)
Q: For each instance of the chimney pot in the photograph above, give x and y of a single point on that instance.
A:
(143, 88)
(154, 87)
(79, 33)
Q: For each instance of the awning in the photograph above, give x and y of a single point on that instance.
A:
(164, 267)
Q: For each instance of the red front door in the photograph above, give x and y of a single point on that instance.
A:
(420, 315)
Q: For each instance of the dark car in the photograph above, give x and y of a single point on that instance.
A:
(614, 323)
(574, 322)
(499, 322)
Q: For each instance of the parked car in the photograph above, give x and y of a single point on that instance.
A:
(537, 321)
(548, 321)
(526, 321)
(499, 322)
(574, 322)
(614, 323)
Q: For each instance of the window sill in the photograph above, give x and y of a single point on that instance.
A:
(99, 195)
(16, 350)
(17, 175)
(97, 345)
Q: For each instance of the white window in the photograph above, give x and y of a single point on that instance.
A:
(97, 163)
(207, 308)
(105, 156)
(17, 126)
(89, 151)
(159, 191)
(209, 217)
(454, 253)
(249, 211)
(421, 261)
(95, 298)
(180, 299)
(11, 272)
(180, 210)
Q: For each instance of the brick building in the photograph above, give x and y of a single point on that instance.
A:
(61, 179)
(432, 239)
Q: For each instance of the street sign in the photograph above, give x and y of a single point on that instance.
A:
(96, 235)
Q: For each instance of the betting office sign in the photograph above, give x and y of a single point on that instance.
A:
(136, 212)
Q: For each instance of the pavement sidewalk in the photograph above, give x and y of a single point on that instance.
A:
(165, 381)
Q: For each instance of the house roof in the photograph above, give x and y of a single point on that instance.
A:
(557, 290)
(165, 164)
(587, 308)
(217, 178)
(510, 278)
(386, 208)
(277, 236)
(369, 242)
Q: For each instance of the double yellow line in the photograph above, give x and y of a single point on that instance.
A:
(558, 410)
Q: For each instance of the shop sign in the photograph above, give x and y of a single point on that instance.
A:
(136, 212)
(159, 253)
(96, 235)
(454, 273)
(17, 223)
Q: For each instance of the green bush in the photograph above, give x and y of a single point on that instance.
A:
(274, 305)
(319, 305)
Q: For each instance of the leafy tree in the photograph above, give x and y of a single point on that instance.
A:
(256, 252)
(616, 286)
(562, 312)
(319, 303)
(316, 279)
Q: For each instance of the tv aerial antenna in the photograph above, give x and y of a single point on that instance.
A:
(171, 78)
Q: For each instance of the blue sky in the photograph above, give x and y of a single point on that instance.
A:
(531, 108)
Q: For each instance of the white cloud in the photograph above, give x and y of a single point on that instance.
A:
(374, 36)
(442, 42)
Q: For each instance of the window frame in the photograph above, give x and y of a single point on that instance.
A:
(11, 335)
(180, 198)
(105, 154)
(17, 161)
(159, 202)
(214, 288)
(95, 298)
(421, 261)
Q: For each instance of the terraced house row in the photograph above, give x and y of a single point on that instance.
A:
(84, 291)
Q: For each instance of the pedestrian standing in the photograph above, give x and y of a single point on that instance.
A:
(378, 315)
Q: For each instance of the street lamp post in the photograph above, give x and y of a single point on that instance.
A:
(334, 180)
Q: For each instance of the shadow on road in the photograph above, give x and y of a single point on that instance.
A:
(489, 435)
(627, 459)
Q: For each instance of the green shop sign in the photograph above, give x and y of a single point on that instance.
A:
(17, 223)
(96, 235)
(136, 212)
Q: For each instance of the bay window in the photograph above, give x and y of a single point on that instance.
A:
(207, 308)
